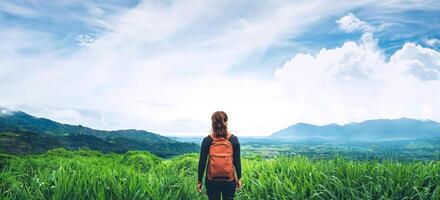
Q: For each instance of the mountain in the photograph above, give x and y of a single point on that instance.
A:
(378, 129)
(23, 133)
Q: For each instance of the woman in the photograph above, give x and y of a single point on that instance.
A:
(223, 174)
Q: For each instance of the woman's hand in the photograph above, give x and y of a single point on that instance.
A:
(199, 186)
(238, 184)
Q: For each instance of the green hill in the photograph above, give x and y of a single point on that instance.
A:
(22, 133)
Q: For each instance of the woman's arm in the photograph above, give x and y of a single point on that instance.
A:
(204, 149)
(236, 156)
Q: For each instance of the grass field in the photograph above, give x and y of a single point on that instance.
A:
(61, 174)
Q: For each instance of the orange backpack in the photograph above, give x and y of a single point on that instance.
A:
(220, 165)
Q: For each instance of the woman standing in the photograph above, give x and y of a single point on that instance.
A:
(223, 174)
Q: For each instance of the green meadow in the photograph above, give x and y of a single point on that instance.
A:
(84, 174)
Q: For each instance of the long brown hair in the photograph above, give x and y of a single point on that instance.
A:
(219, 124)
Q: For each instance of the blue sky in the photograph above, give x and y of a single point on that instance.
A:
(165, 66)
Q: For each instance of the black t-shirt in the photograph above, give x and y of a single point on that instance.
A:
(204, 150)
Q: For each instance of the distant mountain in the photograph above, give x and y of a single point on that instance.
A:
(23, 133)
(379, 129)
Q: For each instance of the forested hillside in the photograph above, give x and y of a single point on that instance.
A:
(22, 133)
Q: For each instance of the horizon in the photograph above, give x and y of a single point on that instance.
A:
(166, 67)
(6, 111)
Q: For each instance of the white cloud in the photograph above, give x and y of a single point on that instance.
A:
(6, 111)
(356, 82)
(15, 9)
(85, 39)
(351, 23)
(69, 116)
(423, 63)
(433, 42)
(160, 63)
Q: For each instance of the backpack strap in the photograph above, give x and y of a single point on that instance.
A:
(228, 136)
(211, 136)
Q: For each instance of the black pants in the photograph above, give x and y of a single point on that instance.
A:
(215, 189)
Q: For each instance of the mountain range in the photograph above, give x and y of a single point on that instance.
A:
(378, 129)
(23, 133)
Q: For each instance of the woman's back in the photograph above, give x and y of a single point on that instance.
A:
(221, 179)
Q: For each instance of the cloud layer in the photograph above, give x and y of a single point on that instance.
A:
(356, 82)
(165, 67)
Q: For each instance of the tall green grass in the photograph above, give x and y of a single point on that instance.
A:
(61, 174)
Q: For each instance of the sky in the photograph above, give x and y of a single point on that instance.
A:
(166, 66)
